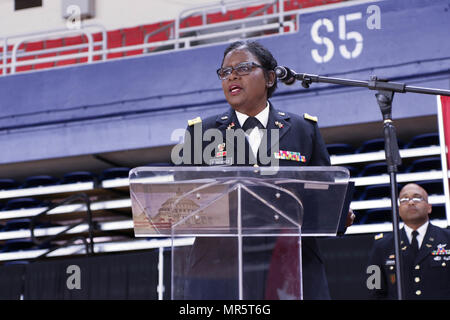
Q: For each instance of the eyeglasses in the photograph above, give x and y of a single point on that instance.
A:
(241, 69)
(405, 200)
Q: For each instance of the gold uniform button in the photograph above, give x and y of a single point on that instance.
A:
(255, 166)
(417, 267)
(418, 292)
(444, 264)
(417, 279)
(391, 268)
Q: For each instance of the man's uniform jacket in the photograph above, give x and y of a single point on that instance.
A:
(427, 276)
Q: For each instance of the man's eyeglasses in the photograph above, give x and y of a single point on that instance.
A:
(405, 200)
(241, 69)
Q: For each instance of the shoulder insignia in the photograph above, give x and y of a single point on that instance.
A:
(379, 236)
(281, 113)
(310, 117)
(194, 121)
(224, 118)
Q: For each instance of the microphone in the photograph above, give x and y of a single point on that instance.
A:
(285, 75)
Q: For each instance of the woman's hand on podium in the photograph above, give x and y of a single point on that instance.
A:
(350, 218)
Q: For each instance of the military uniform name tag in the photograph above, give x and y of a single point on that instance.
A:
(390, 262)
(221, 161)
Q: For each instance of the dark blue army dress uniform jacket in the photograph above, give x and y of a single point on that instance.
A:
(427, 276)
(297, 134)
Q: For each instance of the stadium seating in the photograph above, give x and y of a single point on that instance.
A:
(371, 145)
(97, 37)
(340, 149)
(115, 173)
(433, 187)
(13, 263)
(191, 21)
(374, 145)
(115, 40)
(15, 245)
(71, 41)
(49, 44)
(217, 17)
(378, 191)
(425, 164)
(133, 36)
(23, 203)
(17, 224)
(27, 47)
(373, 169)
(136, 35)
(378, 215)
(424, 140)
(39, 181)
(78, 176)
(438, 212)
(354, 171)
(8, 184)
(111, 202)
(372, 216)
(153, 28)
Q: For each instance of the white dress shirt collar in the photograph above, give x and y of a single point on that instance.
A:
(263, 116)
(421, 230)
(255, 136)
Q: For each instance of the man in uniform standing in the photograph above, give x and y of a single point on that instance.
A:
(425, 250)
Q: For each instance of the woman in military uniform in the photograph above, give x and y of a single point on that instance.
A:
(248, 81)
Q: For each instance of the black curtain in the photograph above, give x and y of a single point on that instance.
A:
(11, 281)
(118, 276)
(167, 281)
(346, 261)
(135, 275)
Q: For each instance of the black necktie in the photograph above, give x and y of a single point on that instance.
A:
(414, 243)
(252, 122)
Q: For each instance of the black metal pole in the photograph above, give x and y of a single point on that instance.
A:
(393, 160)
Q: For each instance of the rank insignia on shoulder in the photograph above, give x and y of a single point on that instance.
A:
(224, 118)
(281, 113)
(379, 236)
(194, 121)
(310, 117)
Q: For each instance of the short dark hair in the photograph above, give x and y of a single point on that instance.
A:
(264, 56)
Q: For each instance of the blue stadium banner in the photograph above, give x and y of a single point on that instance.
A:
(373, 34)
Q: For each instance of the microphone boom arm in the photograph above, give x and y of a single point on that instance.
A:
(374, 84)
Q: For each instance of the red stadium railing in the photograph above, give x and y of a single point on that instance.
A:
(195, 26)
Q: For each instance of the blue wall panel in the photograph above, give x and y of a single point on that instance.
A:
(138, 102)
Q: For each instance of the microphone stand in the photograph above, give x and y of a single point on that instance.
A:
(384, 96)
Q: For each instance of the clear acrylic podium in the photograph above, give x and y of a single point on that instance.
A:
(243, 225)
